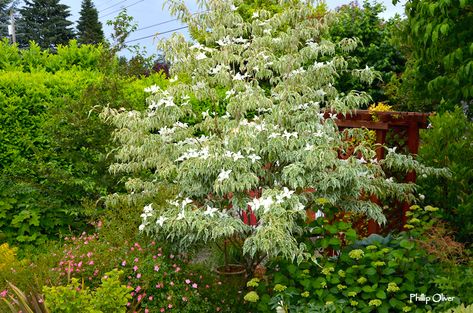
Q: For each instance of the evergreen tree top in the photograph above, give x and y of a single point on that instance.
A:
(89, 27)
(45, 22)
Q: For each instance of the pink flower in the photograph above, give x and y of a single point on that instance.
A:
(3, 294)
(207, 286)
(153, 243)
(154, 257)
(123, 263)
(138, 289)
(146, 311)
(138, 275)
(135, 268)
(128, 304)
(159, 254)
(150, 298)
(187, 281)
(184, 299)
(89, 254)
(162, 310)
(79, 264)
(158, 286)
(171, 256)
(156, 268)
(178, 269)
(136, 260)
(194, 285)
(91, 263)
(170, 306)
(140, 297)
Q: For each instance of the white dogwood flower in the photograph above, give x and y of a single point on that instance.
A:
(224, 175)
(180, 216)
(253, 157)
(201, 56)
(210, 211)
(160, 221)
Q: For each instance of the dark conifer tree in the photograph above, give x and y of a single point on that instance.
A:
(89, 28)
(46, 22)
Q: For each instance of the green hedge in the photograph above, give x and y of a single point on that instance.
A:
(53, 146)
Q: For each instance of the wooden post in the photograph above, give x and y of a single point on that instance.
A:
(413, 140)
(374, 227)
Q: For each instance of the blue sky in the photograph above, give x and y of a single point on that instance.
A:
(148, 13)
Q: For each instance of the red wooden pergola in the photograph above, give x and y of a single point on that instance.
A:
(399, 129)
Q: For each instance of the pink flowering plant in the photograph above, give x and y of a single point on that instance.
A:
(158, 281)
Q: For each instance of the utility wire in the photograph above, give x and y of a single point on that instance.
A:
(121, 8)
(157, 34)
(168, 21)
(103, 3)
(112, 6)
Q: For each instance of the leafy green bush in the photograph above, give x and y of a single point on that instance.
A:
(72, 56)
(448, 143)
(109, 297)
(54, 152)
(377, 274)
(377, 49)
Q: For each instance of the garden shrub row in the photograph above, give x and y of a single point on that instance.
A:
(53, 152)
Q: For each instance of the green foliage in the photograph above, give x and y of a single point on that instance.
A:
(109, 297)
(264, 140)
(33, 59)
(88, 27)
(53, 152)
(448, 144)
(374, 275)
(440, 68)
(45, 22)
(377, 49)
(461, 309)
(19, 302)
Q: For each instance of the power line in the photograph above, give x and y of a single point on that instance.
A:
(112, 6)
(104, 3)
(122, 8)
(157, 34)
(168, 21)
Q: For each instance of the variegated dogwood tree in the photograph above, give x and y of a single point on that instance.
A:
(271, 151)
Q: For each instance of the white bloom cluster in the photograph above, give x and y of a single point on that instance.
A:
(167, 131)
(166, 100)
(265, 203)
(288, 135)
(239, 76)
(193, 141)
(223, 175)
(147, 212)
(286, 194)
(238, 155)
(218, 68)
(227, 40)
(194, 153)
(153, 89)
